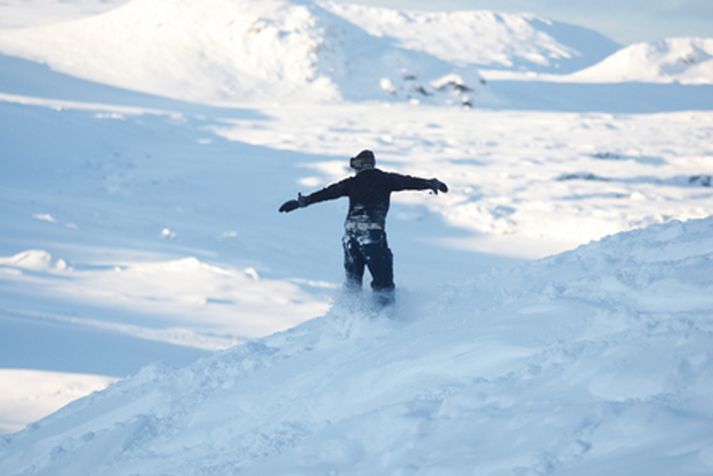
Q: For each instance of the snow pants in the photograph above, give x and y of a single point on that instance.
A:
(369, 249)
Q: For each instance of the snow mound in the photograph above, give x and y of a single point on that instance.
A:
(230, 51)
(484, 38)
(583, 363)
(226, 299)
(683, 60)
(34, 260)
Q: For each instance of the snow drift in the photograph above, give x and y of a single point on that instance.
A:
(228, 51)
(590, 362)
(683, 60)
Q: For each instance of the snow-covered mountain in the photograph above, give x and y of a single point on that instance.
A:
(484, 38)
(288, 51)
(229, 51)
(596, 360)
(682, 60)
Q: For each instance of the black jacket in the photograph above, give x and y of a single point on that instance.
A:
(369, 193)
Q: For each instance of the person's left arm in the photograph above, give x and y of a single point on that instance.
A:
(407, 182)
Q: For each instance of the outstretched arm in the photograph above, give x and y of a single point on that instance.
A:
(406, 182)
(290, 205)
(331, 192)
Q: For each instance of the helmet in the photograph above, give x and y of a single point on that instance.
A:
(363, 161)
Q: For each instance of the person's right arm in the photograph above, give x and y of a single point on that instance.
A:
(336, 190)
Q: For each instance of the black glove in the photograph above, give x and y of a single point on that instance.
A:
(290, 205)
(437, 186)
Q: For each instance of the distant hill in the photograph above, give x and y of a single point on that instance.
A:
(484, 38)
(685, 60)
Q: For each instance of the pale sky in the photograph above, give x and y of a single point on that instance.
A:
(625, 21)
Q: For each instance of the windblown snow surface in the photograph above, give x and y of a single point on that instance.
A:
(595, 361)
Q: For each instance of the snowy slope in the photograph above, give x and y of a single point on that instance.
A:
(141, 228)
(228, 51)
(485, 38)
(590, 362)
(683, 60)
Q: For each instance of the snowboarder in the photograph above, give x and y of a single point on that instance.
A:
(364, 238)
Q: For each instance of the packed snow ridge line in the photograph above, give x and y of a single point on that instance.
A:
(595, 358)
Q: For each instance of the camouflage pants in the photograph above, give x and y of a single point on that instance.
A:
(369, 249)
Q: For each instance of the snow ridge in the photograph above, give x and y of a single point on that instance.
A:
(574, 352)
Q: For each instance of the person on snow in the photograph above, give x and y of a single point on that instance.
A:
(364, 238)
